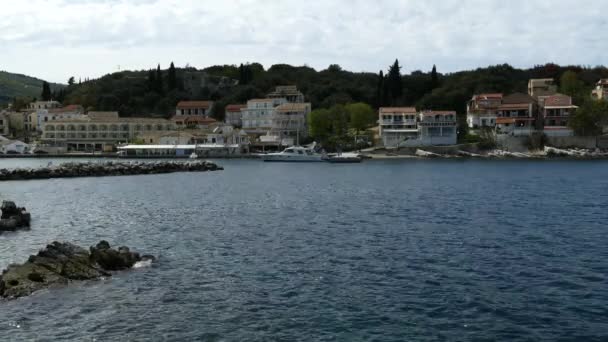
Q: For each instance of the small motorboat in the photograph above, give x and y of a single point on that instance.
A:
(294, 154)
(193, 155)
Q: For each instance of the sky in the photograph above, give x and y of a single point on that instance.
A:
(56, 39)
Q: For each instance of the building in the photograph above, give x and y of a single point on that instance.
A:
(289, 93)
(482, 110)
(555, 111)
(437, 128)
(517, 115)
(541, 87)
(100, 131)
(13, 146)
(257, 116)
(42, 116)
(397, 124)
(43, 105)
(234, 114)
(193, 121)
(289, 120)
(601, 90)
(202, 108)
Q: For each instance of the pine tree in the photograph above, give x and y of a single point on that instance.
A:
(171, 78)
(151, 80)
(241, 74)
(71, 81)
(380, 90)
(434, 78)
(46, 91)
(395, 86)
(159, 80)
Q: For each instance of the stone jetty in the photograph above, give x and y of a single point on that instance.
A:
(13, 217)
(61, 263)
(110, 168)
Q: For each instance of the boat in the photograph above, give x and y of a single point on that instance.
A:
(348, 157)
(294, 154)
(193, 155)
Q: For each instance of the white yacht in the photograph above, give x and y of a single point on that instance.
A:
(294, 154)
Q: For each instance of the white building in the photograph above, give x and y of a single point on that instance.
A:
(437, 128)
(290, 93)
(42, 116)
(601, 90)
(13, 146)
(202, 108)
(482, 110)
(258, 115)
(43, 105)
(234, 114)
(397, 124)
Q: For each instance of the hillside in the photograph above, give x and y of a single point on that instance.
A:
(141, 92)
(17, 85)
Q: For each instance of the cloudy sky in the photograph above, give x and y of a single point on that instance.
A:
(55, 39)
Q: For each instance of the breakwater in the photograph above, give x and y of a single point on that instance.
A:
(103, 169)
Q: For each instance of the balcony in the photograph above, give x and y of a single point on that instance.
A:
(398, 122)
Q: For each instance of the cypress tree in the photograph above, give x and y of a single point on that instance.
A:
(380, 90)
(159, 80)
(395, 86)
(46, 91)
(171, 78)
(434, 78)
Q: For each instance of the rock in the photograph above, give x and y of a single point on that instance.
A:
(13, 217)
(59, 263)
(426, 154)
(108, 169)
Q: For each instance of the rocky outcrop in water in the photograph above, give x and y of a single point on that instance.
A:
(111, 168)
(59, 263)
(13, 217)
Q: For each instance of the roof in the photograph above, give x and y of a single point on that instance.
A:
(514, 106)
(235, 107)
(488, 96)
(194, 119)
(89, 119)
(557, 100)
(68, 108)
(603, 81)
(293, 107)
(194, 104)
(439, 112)
(261, 100)
(543, 81)
(518, 98)
(408, 110)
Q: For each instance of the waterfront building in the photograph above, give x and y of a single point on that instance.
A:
(541, 87)
(289, 121)
(234, 114)
(100, 131)
(517, 115)
(13, 146)
(287, 92)
(437, 128)
(601, 90)
(397, 124)
(42, 116)
(4, 123)
(197, 108)
(555, 111)
(482, 110)
(35, 105)
(193, 121)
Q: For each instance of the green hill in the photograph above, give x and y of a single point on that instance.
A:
(17, 85)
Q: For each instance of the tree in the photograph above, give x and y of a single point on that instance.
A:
(319, 124)
(46, 91)
(361, 116)
(380, 90)
(434, 78)
(159, 80)
(572, 86)
(395, 87)
(590, 118)
(71, 81)
(171, 78)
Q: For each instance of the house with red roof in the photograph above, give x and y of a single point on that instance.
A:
(555, 112)
(234, 115)
(194, 108)
(482, 110)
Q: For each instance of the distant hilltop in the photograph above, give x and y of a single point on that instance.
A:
(18, 85)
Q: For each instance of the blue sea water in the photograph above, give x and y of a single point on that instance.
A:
(414, 250)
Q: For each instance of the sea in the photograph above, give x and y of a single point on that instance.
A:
(385, 250)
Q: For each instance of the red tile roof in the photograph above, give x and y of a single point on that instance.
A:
(235, 107)
(194, 104)
(514, 106)
(497, 96)
(408, 110)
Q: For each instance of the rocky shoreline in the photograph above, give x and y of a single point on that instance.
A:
(61, 263)
(545, 154)
(110, 168)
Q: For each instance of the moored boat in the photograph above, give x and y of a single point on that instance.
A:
(348, 157)
(294, 154)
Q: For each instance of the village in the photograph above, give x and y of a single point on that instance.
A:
(281, 119)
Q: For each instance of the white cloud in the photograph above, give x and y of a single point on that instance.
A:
(54, 39)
